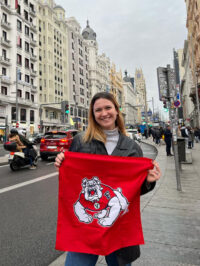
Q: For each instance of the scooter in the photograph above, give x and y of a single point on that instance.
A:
(19, 160)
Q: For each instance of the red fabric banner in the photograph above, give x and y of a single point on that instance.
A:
(99, 202)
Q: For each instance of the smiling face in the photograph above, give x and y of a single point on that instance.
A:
(105, 113)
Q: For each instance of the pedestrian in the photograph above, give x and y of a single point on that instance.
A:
(106, 135)
(157, 135)
(168, 140)
(146, 133)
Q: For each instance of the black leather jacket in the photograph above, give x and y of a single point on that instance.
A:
(125, 147)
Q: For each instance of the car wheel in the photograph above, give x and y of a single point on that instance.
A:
(44, 157)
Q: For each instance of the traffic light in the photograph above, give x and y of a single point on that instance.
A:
(67, 108)
(120, 108)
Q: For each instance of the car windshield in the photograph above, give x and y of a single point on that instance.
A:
(58, 135)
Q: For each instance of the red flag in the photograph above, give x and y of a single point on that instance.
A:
(99, 202)
(16, 4)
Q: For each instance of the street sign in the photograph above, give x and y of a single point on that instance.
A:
(177, 103)
(162, 82)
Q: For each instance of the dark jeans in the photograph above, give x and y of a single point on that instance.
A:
(168, 148)
(27, 154)
(83, 259)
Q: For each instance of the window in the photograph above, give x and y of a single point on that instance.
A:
(26, 63)
(31, 115)
(26, 46)
(19, 9)
(19, 93)
(19, 59)
(23, 115)
(32, 98)
(27, 95)
(13, 113)
(27, 78)
(3, 71)
(25, 14)
(27, 30)
(19, 25)
(4, 90)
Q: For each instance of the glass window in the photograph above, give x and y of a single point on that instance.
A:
(23, 115)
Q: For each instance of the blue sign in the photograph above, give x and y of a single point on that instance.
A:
(149, 113)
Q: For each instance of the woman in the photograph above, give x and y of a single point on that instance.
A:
(106, 135)
(14, 137)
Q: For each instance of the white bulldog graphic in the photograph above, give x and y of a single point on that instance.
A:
(106, 202)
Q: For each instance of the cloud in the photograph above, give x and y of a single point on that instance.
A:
(134, 33)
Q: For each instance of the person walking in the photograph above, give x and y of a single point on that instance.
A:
(106, 135)
(168, 140)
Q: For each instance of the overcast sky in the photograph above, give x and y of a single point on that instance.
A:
(134, 33)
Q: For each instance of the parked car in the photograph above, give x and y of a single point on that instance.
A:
(134, 134)
(36, 137)
(55, 142)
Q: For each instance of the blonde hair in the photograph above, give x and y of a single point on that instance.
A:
(94, 131)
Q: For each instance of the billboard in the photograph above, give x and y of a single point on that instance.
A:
(162, 82)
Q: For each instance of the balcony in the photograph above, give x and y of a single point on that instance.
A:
(5, 24)
(5, 80)
(33, 73)
(33, 42)
(6, 7)
(5, 61)
(33, 27)
(33, 57)
(5, 42)
(32, 12)
(33, 88)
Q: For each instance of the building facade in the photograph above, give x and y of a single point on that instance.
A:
(185, 88)
(140, 87)
(99, 65)
(130, 100)
(53, 80)
(78, 62)
(18, 65)
(193, 26)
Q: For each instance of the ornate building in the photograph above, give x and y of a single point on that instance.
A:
(99, 65)
(140, 87)
(193, 26)
(18, 65)
(116, 87)
(130, 96)
(78, 59)
(52, 64)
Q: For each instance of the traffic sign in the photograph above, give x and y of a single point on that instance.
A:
(177, 103)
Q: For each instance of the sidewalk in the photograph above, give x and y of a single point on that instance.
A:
(171, 219)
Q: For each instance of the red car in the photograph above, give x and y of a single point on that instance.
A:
(55, 142)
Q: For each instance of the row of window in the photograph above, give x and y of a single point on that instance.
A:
(23, 115)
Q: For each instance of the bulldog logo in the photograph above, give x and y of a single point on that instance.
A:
(105, 202)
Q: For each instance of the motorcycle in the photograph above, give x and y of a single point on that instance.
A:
(18, 159)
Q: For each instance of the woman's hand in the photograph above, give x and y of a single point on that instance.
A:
(59, 158)
(154, 174)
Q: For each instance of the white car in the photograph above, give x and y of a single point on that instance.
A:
(134, 134)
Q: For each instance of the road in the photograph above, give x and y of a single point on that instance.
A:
(28, 216)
